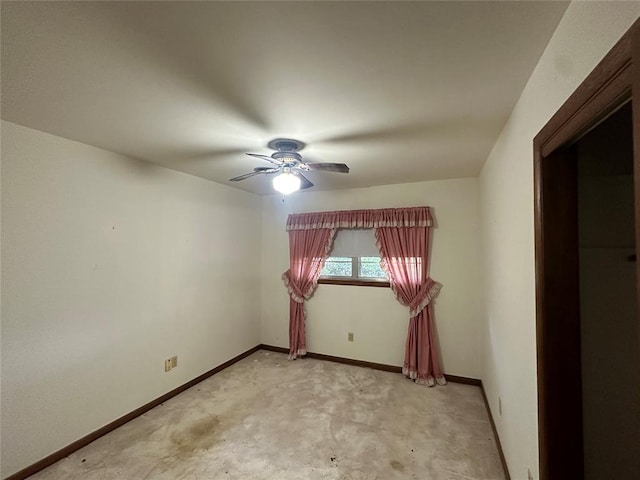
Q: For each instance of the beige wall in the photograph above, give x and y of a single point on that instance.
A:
(110, 265)
(587, 31)
(375, 317)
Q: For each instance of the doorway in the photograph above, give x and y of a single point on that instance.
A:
(587, 217)
(610, 353)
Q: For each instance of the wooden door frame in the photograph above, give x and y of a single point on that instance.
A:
(614, 81)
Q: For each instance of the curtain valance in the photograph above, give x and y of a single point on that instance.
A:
(385, 217)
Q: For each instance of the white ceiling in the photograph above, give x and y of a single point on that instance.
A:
(400, 91)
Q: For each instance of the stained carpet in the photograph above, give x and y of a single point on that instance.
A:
(269, 418)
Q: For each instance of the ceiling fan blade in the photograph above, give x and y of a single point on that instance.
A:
(246, 175)
(304, 181)
(266, 169)
(328, 167)
(265, 157)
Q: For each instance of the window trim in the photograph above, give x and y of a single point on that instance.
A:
(353, 281)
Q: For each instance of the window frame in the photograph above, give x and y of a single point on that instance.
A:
(354, 279)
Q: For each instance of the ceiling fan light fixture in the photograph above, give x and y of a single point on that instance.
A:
(286, 183)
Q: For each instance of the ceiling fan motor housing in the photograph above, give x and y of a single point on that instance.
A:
(285, 145)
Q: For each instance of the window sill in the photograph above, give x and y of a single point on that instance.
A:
(354, 282)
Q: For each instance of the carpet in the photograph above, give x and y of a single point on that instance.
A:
(269, 418)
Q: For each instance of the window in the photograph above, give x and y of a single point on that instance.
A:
(354, 260)
(367, 268)
(338, 267)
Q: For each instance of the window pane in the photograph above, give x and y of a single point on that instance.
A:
(337, 267)
(370, 268)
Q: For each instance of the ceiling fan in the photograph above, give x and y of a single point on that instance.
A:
(288, 163)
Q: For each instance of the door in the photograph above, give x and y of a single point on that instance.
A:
(567, 342)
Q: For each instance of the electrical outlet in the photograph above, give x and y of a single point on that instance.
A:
(350, 336)
(167, 365)
(174, 361)
(500, 406)
(529, 474)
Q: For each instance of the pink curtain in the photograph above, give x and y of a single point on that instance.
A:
(384, 217)
(402, 236)
(308, 250)
(405, 259)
